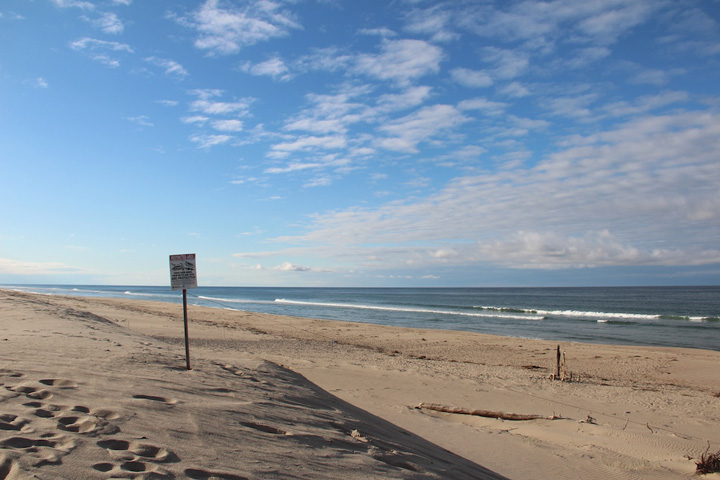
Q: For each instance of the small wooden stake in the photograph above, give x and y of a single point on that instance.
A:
(557, 364)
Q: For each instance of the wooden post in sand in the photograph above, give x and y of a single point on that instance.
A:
(187, 339)
(183, 275)
(557, 364)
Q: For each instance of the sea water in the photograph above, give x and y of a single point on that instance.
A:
(655, 316)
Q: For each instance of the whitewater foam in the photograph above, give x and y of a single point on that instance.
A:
(405, 309)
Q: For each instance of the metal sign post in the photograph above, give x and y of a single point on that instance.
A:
(183, 275)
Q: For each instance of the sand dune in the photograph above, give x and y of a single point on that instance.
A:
(96, 388)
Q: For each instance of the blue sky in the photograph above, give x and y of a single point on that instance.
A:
(360, 143)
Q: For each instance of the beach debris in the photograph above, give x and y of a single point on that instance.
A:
(358, 436)
(483, 413)
(590, 420)
(709, 462)
(561, 372)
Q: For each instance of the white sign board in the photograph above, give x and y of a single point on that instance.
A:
(183, 274)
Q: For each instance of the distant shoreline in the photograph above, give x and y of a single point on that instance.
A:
(686, 317)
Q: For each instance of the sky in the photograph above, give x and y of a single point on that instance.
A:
(383, 143)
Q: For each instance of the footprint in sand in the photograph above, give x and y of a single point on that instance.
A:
(145, 451)
(153, 398)
(47, 450)
(264, 428)
(8, 468)
(105, 413)
(89, 421)
(59, 383)
(198, 474)
(79, 424)
(135, 457)
(32, 392)
(45, 411)
(122, 469)
(12, 422)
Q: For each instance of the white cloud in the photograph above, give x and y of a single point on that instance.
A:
(645, 103)
(573, 107)
(642, 193)
(228, 125)
(465, 154)
(98, 50)
(529, 123)
(545, 23)
(508, 64)
(142, 120)
(586, 56)
(95, 44)
(206, 93)
(642, 75)
(199, 119)
(434, 21)
(328, 161)
(381, 32)
(239, 108)
(171, 67)
(289, 267)
(18, 267)
(321, 181)
(329, 59)
(515, 89)
(74, 3)
(549, 250)
(445, 253)
(273, 67)
(608, 24)
(421, 126)
(207, 141)
(108, 23)
(39, 82)
(168, 103)
(411, 97)
(280, 150)
(331, 113)
(225, 27)
(294, 167)
(471, 78)
(481, 103)
(693, 31)
(400, 61)
(650, 77)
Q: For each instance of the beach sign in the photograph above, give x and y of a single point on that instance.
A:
(183, 274)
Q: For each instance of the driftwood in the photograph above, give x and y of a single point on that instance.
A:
(483, 413)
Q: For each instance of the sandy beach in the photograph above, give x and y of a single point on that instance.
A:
(97, 388)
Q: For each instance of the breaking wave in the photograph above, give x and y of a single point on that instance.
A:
(408, 309)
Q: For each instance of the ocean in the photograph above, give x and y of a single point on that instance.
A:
(653, 316)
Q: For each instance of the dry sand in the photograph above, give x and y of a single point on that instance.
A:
(97, 388)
